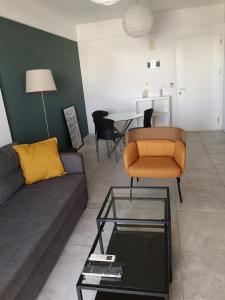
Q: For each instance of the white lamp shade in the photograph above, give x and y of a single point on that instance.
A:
(105, 2)
(138, 21)
(40, 80)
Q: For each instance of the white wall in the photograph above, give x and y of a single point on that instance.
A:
(5, 136)
(33, 15)
(113, 65)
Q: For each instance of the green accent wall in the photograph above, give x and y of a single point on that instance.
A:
(23, 48)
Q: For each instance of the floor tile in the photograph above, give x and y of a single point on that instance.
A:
(195, 151)
(218, 160)
(203, 276)
(203, 199)
(201, 231)
(200, 179)
(213, 139)
(209, 133)
(215, 148)
(176, 288)
(221, 174)
(61, 283)
(86, 229)
(201, 161)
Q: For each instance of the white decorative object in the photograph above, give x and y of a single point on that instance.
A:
(73, 127)
(39, 81)
(138, 21)
(105, 2)
(162, 109)
(146, 90)
(161, 92)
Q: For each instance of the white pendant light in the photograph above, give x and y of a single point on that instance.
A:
(137, 21)
(105, 2)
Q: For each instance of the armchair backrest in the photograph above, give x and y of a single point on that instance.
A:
(156, 148)
(160, 133)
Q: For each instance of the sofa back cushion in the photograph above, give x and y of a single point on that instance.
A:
(11, 177)
(155, 148)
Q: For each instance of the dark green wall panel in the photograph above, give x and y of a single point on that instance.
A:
(23, 48)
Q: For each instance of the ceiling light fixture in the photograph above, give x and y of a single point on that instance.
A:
(137, 21)
(105, 2)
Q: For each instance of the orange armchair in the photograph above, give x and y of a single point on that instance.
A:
(155, 153)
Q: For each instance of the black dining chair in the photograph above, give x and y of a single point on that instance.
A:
(99, 114)
(105, 130)
(148, 117)
(96, 115)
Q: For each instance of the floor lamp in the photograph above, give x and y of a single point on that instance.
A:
(39, 81)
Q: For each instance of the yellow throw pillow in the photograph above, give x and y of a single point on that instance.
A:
(40, 161)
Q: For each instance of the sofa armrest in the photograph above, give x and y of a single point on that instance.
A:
(73, 162)
(180, 154)
(130, 154)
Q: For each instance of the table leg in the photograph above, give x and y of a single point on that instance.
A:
(114, 210)
(79, 294)
(126, 126)
(100, 239)
(169, 238)
(123, 131)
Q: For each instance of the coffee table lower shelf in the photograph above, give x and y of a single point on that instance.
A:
(115, 296)
(144, 255)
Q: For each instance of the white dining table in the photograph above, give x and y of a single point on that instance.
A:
(127, 117)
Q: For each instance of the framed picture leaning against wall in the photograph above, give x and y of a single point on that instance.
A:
(73, 127)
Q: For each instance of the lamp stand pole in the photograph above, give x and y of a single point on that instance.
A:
(46, 120)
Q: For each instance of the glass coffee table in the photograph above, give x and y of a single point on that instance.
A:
(137, 229)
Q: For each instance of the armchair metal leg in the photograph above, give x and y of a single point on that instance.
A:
(121, 145)
(97, 150)
(108, 149)
(178, 185)
(131, 185)
(116, 154)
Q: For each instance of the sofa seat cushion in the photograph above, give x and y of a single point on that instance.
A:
(28, 223)
(154, 167)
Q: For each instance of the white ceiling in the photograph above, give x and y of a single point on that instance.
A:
(84, 11)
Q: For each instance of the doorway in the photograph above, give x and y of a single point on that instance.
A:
(200, 78)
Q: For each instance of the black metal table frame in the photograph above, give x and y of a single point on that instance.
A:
(123, 132)
(120, 222)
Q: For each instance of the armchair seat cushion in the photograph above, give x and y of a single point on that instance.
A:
(154, 167)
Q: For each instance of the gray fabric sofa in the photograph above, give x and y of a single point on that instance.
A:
(35, 222)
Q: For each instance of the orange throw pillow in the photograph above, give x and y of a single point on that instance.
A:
(40, 161)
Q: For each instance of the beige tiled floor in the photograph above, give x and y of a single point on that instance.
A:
(198, 223)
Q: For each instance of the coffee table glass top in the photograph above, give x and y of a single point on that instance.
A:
(134, 227)
(136, 204)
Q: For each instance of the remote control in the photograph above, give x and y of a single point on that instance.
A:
(103, 269)
(102, 257)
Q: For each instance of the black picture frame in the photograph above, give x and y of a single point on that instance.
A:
(73, 127)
